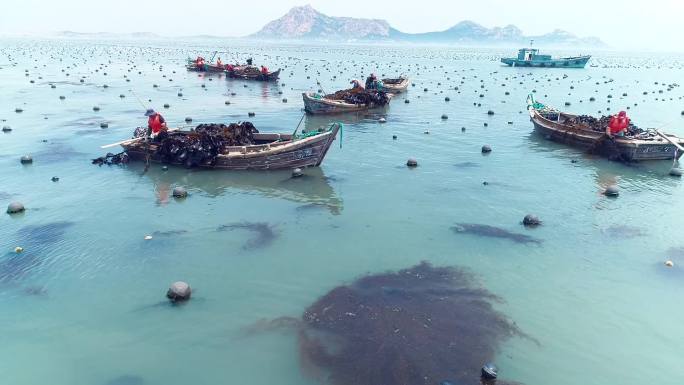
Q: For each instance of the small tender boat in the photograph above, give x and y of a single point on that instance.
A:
(270, 151)
(315, 103)
(206, 67)
(252, 73)
(396, 85)
(530, 57)
(649, 144)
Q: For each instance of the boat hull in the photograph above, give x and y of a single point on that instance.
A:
(205, 68)
(301, 153)
(395, 88)
(632, 150)
(570, 62)
(271, 76)
(322, 106)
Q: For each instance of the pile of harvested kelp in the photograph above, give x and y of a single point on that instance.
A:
(247, 70)
(600, 124)
(365, 97)
(110, 159)
(205, 143)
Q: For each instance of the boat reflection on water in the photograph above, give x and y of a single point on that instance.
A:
(652, 175)
(313, 189)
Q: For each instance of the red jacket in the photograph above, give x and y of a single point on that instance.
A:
(155, 123)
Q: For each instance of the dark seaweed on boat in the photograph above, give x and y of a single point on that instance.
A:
(205, 143)
(600, 124)
(365, 97)
(421, 325)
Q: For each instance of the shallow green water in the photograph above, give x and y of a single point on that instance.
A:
(84, 304)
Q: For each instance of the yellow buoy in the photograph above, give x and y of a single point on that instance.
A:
(18, 249)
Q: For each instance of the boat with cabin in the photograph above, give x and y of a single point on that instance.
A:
(530, 57)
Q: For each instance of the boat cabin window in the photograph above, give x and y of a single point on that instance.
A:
(528, 55)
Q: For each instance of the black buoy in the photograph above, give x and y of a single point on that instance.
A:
(15, 208)
(180, 192)
(394, 137)
(531, 220)
(489, 371)
(412, 162)
(490, 112)
(251, 114)
(406, 101)
(96, 108)
(6, 129)
(486, 149)
(166, 105)
(26, 159)
(611, 191)
(445, 117)
(677, 172)
(297, 173)
(179, 291)
(188, 119)
(55, 179)
(62, 97)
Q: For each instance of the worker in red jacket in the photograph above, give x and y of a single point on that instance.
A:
(264, 70)
(156, 124)
(618, 125)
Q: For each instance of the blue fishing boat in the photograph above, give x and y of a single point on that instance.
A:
(530, 57)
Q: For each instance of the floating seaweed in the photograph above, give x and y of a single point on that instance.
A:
(493, 232)
(126, 379)
(265, 233)
(623, 231)
(422, 325)
(15, 266)
(43, 235)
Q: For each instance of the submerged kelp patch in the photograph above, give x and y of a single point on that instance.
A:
(422, 325)
(264, 233)
(34, 239)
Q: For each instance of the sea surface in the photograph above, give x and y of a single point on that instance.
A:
(84, 303)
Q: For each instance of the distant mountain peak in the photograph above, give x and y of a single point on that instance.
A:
(305, 22)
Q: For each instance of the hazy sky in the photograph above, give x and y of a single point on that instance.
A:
(622, 24)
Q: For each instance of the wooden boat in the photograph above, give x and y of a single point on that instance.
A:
(395, 86)
(530, 57)
(562, 127)
(254, 74)
(207, 67)
(317, 104)
(272, 151)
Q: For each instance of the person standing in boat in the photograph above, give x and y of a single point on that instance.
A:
(156, 125)
(372, 82)
(618, 125)
(219, 63)
(264, 70)
(356, 85)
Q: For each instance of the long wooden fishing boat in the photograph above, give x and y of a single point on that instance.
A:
(239, 73)
(396, 85)
(318, 104)
(207, 67)
(271, 151)
(567, 129)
